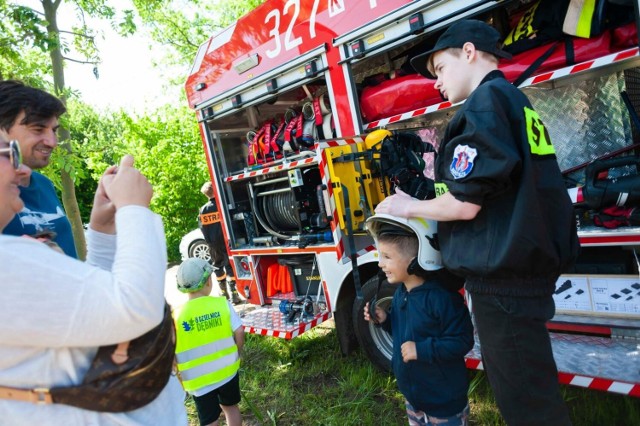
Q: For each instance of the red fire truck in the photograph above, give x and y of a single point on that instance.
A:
(289, 100)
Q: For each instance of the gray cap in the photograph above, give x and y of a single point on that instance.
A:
(193, 274)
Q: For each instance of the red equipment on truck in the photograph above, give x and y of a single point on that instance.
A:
(291, 99)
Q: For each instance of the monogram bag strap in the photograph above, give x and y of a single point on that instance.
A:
(36, 395)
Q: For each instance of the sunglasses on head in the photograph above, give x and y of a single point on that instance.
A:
(13, 153)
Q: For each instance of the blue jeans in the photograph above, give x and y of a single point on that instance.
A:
(518, 359)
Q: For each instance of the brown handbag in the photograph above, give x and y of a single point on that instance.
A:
(121, 378)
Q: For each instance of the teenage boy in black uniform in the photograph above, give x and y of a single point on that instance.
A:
(505, 219)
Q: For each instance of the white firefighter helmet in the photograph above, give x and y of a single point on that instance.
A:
(429, 257)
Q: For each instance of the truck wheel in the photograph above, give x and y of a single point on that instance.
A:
(374, 341)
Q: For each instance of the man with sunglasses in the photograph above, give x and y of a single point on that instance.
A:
(30, 116)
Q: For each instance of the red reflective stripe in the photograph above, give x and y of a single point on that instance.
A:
(317, 114)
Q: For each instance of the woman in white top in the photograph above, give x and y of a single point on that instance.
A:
(56, 311)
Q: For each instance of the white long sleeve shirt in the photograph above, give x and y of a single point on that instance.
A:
(55, 312)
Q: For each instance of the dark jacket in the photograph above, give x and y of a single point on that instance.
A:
(438, 321)
(42, 212)
(209, 223)
(498, 154)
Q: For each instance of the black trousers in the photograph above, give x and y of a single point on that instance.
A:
(518, 359)
(220, 261)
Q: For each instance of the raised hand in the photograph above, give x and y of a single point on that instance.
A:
(103, 211)
(128, 186)
(396, 205)
(381, 315)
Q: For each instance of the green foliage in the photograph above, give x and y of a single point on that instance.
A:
(185, 25)
(96, 8)
(26, 27)
(30, 28)
(127, 25)
(230, 10)
(25, 30)
(95, 139)
(96, 136)
(20, 30)
(30, 66)
(71, 163)
(168, 150)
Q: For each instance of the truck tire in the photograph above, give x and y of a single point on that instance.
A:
(374, 341)
(200, 249)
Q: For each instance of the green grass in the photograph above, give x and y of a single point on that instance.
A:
(306, 381)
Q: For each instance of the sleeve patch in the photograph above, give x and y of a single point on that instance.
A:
(462, 161)
(539, 140)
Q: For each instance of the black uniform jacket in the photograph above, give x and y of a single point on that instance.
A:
(498, 154)
(209, 223)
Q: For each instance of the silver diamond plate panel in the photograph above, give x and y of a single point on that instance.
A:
(592, 356)
(597, 357)
(585, 120)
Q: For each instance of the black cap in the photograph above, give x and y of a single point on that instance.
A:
(483, 36)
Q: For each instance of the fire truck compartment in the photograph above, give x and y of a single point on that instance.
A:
(304, 274)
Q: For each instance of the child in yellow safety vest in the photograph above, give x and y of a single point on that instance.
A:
(209, 342)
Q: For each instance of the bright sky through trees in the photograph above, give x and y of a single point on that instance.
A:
(127, 78)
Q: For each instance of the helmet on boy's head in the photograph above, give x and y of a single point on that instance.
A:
(425, 230)
(193, 274)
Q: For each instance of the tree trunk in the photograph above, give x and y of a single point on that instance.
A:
(69, 199)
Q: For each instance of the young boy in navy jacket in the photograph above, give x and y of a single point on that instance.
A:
(429, 322)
